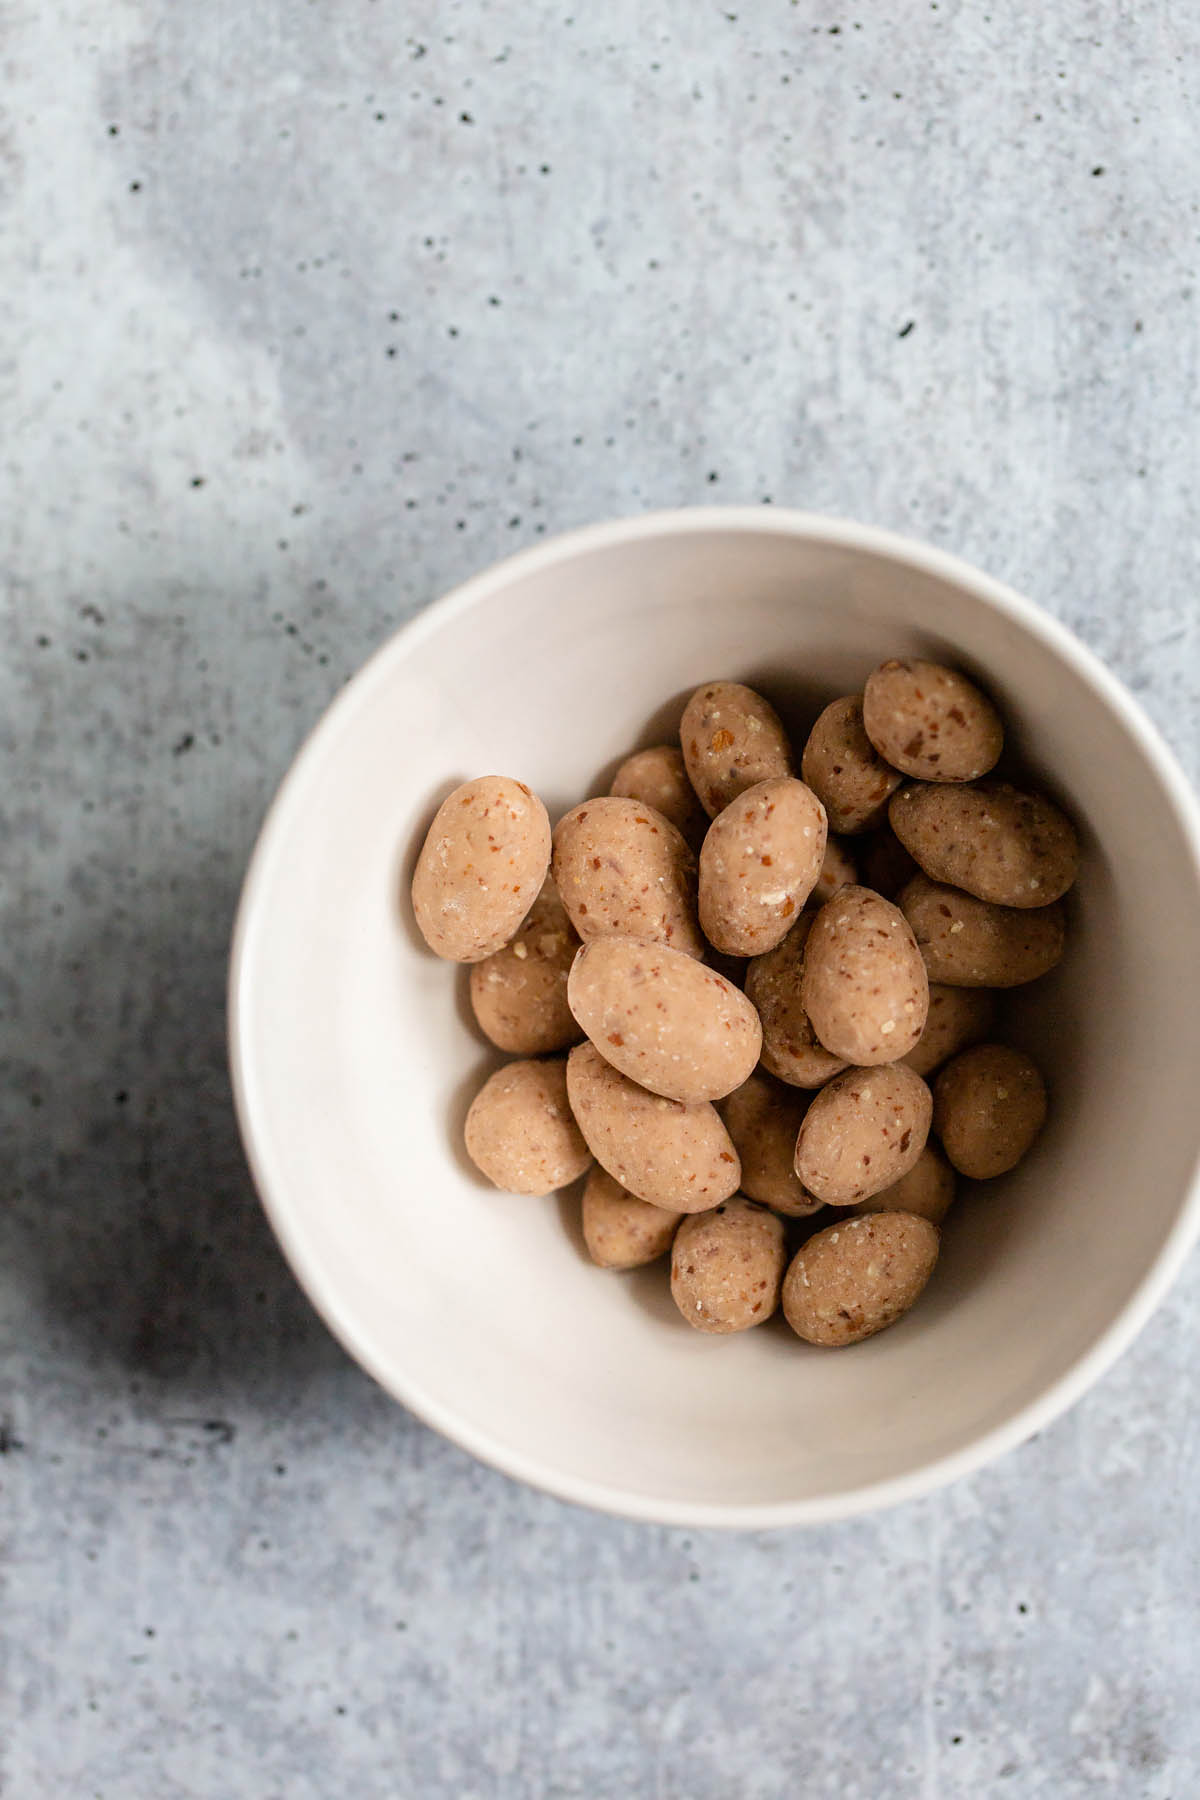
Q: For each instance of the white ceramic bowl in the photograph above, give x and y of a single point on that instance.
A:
(354, 1054)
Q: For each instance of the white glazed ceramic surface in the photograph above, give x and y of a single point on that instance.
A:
(355, 1057)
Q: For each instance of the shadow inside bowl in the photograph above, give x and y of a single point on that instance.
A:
(649, 1287)
(661, 727)
(977, 1235)
(650, 1290)
(568, 1203)
(797, 698)
(465, 1012)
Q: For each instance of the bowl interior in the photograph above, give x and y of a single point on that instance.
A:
(356, 1057)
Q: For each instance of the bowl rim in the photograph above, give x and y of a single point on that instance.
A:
(848, 1503)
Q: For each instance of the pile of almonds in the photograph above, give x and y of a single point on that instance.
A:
(756, 977)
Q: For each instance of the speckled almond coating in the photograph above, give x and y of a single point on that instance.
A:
(858, 1277)
(930, 721)
(727, 1266)
(992, 840)
(675, 1156)
(927, 1190)
(658, 778)
(844, 769)
(758, 865)
(664, 1019)
(838, 870)
(989, 1105)
(621, 1231)
(519, 994)
(884, 863)
(864, 984)
(520, 1132)
(968, 943)
(763, 1117)
(621, 867)
(773, 983)
(731, 739)
(481, 866)
(862, 1133)
(958, 1016)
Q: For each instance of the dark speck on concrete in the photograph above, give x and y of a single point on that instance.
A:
(135, 187)
(1099, 169)
(197, 481)
(465, 119)
(184, 744)
(114, 131)
(10, 1443)
(906, 328)
(713, 475)
(218, 1433)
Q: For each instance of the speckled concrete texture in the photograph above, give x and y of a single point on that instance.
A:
(310, 311)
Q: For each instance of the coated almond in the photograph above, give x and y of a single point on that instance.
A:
(862, 1133)
(675, 1156)
(664, 1019)
(864, 988)
(930, 721)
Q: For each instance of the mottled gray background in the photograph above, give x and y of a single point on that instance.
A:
(311, 310)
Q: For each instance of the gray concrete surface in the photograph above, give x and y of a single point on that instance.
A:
(311, 310)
